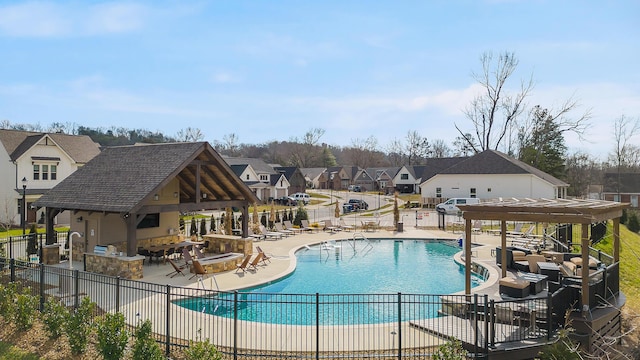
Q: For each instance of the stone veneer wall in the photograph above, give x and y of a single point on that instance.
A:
(123, 266)
(51, 254)
(221, 244)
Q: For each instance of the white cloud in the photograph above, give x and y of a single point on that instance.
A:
(225, 77)
(50, 19)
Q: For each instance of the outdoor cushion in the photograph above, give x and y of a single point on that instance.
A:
(515, 288)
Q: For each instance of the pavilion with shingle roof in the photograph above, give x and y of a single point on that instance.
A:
(133, 181)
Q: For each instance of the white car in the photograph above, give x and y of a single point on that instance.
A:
(451, 206)
(304, 197)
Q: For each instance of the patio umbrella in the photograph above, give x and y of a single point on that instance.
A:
(255, 221)
(337, 210)
(272, 215)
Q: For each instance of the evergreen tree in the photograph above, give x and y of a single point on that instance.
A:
(212, 224)
(263, 218)
(203, 227)
(32, 243)
(194, 228)
(633, 224)
(544, 148)
(301, 214)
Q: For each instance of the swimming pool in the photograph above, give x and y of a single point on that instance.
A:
(365, 277)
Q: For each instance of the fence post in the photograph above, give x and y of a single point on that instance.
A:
(76, 290)
(317, 326)
(475, 324)
(486, 325)
(549, 314)
(492, 336)
(41, 287)
(12, 268)
(11, 248)
(167, 336)
(235, 324)
(117, 293)
(399, 326)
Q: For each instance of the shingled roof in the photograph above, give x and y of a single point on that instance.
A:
(80, 148)
(495, 162)
(121, 179)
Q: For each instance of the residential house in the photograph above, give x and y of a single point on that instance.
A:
(363, 179)
(297, 181)
(383, 179)
(312, 176)
(265, 182)
(623, 187)
(491, 175)
(42, 160)
(335, 178)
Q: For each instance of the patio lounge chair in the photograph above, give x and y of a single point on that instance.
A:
(255, 261)
(328, 225)
(265, 257)
(176, 269)
(344, 226)
(198, 270)
(198, 252)
(289, 226)
(243, 265)
(282, 230)
(187, 256)
(305, 225)
(256, 237)
(270, 234)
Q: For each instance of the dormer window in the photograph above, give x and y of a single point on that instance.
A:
(45, 172)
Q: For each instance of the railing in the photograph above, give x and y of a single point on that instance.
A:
(246, 325)
(16, 246)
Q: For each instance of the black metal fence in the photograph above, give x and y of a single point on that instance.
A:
(312, 326)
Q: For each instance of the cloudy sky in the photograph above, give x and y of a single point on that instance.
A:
(272, 70)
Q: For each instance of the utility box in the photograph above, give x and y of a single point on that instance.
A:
(400, 226)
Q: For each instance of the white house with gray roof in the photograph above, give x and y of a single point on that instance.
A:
(491, 175)
(43, 160)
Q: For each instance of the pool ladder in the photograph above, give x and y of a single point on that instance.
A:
(360, 236)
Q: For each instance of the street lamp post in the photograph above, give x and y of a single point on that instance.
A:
(24, 205)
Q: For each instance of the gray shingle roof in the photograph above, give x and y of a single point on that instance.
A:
(120, 178)
(629, 183)
(495, 162)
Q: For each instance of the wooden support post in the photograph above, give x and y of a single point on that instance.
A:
(503, 242)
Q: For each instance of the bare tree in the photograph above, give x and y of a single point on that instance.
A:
(362, 151)
(417, 148)
(394, 152)
(229, 145)
(5, 124)
(440, 149)
(462, 147)
(306, 152)
(493, 112)
(189, 135)
(624, 154)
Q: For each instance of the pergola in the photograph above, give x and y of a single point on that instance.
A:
(558, 211)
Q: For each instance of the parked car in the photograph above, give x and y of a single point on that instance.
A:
(286, 201)
(359, 204)
(304, 197)
(450, 206)
(354, 188)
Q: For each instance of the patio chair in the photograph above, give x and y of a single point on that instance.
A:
(176, 269)
(328, 225)
(198, 270)
(289, 226)
(344, 226)
(274, 235)
(187, 256)
(265, 257)
(243, 265)
(198, 252)
(256, 237)
(517, 230)
(282, 230)
(305, 225)
(255, 261)
(477, 226)
(533, 260)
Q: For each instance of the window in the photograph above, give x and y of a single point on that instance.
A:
(264, 177)
(54, 172)
(438, 192)
(150, 221)
(404, 176)
(36, 172)
(488, 189)
(472, 192)
(45, 172)
(247, 176)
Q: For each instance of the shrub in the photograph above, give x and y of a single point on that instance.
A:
(193, 229)
(112, 336)
(26, 307)
(32, 244)
(301, 214)
(7, 300)
(53, 317)
(203, 227)
(564, 348)
(450, 351)
(633, 224)
(145, 347)
(202, 350)
(78, 326)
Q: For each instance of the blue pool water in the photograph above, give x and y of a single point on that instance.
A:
(374, 270)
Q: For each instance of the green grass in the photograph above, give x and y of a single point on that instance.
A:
(10, 352)
(629, 263)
